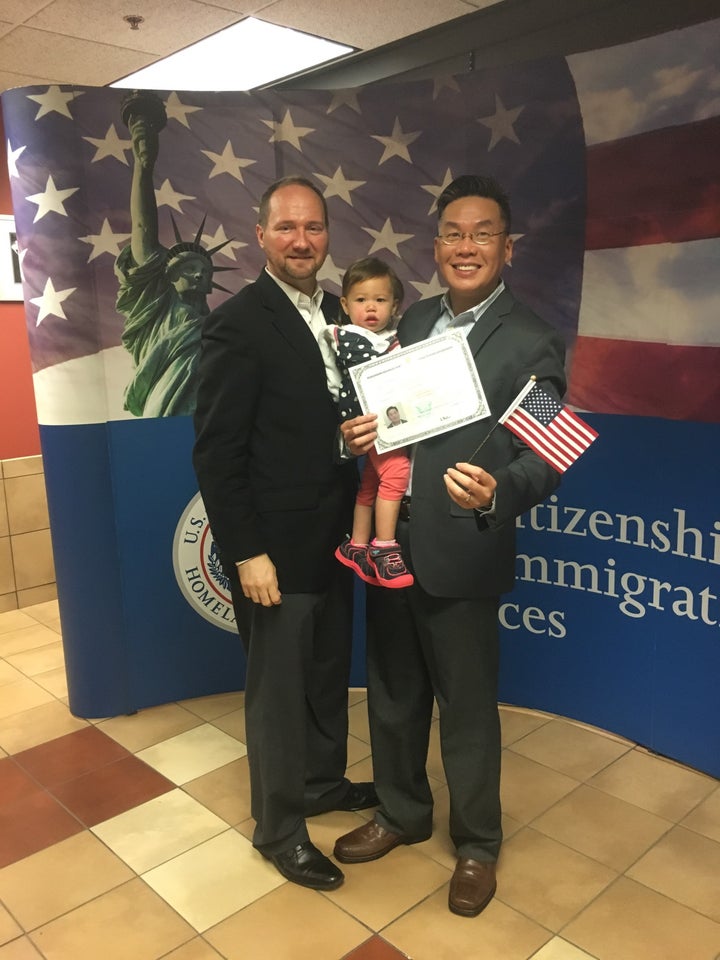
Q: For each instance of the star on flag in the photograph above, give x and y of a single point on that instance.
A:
(339, 186)
(52, 200)
(286, 132)
(50, 303)
(441, 83)
(111, 145)
(54, 100)
(221, 239)
(501, 123)
(329, 272)
(396, 145)
(432, 289)
(167, 196)
(436, 189)
(12, 158)
(387, 238)
(344, 98)
(227, 162)
(177, 110)
(105, 242)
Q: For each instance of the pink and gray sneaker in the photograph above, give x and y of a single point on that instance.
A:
(389, 567)
(355, 556)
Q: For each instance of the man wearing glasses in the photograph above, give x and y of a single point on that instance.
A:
(438, 640)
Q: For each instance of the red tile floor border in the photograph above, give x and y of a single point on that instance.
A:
(50, 792)
(15, 783)
(71, 756)
(112, 789)
(32, 823)
(376, 949)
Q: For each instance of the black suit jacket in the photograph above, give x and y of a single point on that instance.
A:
(456, 553)
(266, 450)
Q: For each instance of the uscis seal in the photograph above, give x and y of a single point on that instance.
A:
(198, 571)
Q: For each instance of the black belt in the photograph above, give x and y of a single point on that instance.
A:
(404, 509)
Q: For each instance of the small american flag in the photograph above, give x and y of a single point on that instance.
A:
(553, 431)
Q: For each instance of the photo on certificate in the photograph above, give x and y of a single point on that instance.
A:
(421, 390)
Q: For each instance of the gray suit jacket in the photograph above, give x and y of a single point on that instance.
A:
(455, 552)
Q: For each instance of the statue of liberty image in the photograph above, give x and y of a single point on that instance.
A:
(163, 292)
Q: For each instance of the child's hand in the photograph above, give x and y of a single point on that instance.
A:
(360, 433)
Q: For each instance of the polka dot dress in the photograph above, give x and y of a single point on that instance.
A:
(353, 348)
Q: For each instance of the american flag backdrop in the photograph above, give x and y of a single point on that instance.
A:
(610, 159)
(381, 155)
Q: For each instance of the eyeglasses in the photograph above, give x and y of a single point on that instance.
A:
(481, 237)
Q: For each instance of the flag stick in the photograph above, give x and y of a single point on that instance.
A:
(518, 399)
(487, 437)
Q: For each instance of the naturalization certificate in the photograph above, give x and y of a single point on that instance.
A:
(421, 390)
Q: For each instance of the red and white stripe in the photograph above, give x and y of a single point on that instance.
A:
(648, 334)
(559, 444)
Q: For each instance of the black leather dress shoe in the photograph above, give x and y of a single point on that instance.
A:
(359, 796)
(304, 864)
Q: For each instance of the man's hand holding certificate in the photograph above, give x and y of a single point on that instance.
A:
(420, 391)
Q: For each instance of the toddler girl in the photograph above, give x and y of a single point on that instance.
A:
(371, 296)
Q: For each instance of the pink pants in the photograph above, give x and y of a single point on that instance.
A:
(385, 475)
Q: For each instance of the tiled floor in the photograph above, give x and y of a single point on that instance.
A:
(127, 839)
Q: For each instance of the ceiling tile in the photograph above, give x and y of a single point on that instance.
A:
(17, 11)
(168, 25)
(380, 22)
(70, 60)
(10, 80)
(244, 7)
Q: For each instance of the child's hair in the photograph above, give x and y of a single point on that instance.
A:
(368, 269)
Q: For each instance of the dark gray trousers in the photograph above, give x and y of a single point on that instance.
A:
(422, 647)
(296, 708)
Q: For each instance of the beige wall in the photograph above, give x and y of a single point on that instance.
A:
(27, 571)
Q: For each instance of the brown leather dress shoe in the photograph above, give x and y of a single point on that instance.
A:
(472, 886)
(368, 842)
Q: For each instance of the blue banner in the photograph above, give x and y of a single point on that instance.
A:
(615, 619)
